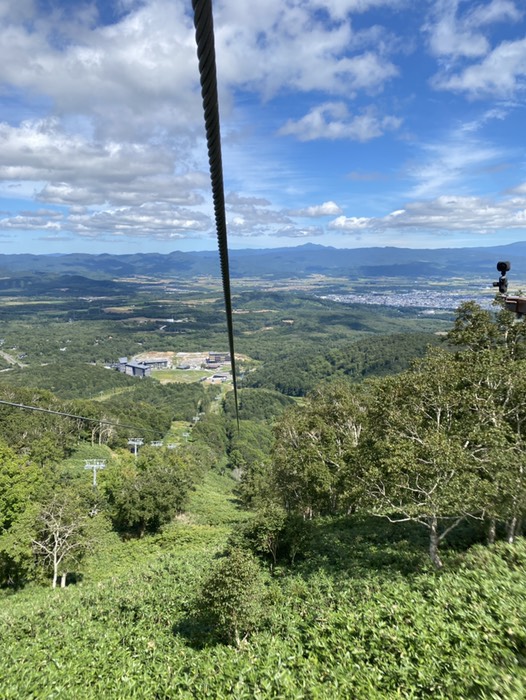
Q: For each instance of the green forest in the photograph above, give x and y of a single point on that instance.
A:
(355, 531)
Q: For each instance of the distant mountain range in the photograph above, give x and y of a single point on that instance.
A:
(278, 263)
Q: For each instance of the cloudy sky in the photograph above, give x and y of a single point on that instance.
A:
(348, 123)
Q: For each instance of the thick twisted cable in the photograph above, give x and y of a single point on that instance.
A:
(204, 35)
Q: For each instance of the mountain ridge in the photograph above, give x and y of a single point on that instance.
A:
(292, 262)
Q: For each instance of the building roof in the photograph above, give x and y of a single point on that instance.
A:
(137, 365)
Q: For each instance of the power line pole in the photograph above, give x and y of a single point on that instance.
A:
(95, 464)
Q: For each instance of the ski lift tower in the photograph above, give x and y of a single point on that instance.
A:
(135, 443)
(95, 465)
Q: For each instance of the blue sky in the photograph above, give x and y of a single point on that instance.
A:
(347, 123)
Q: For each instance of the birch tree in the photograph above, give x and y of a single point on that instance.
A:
(416, 463)
(61, 541)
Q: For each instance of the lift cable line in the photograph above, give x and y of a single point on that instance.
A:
(72, 415)
(204, 36)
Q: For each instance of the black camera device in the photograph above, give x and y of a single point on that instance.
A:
(503, 266)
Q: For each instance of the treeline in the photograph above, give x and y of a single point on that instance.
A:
(51, 517)
(438, 444)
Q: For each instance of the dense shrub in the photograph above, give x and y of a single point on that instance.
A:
(232, 596)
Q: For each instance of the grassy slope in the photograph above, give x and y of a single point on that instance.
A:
(361, 617)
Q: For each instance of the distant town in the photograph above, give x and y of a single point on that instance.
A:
(419, 298)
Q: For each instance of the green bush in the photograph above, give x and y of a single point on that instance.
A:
(232, 596)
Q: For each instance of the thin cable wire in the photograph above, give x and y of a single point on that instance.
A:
(204, 36)
(83, 418)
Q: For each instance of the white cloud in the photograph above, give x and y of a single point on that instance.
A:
(178, 190)
(141, 73)
(130, 76)
(325, 209)
(502, 73)
(449, 37)
(35, 149)
(494, 11)
(28, 222)
(17, 11)
(262, 46)
(475, 215)
(460, 34)
(145, 220)
(340, 8)
(148, 220)
(250, 220)
(252, 216)
(87, 172)
(332, 121)
(520, 189)
(350, 223)
(456, 34)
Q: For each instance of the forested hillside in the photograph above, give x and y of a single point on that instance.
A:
(295, 372)
(358, 537)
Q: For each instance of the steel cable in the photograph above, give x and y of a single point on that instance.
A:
(100, 421)
(204, 36)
